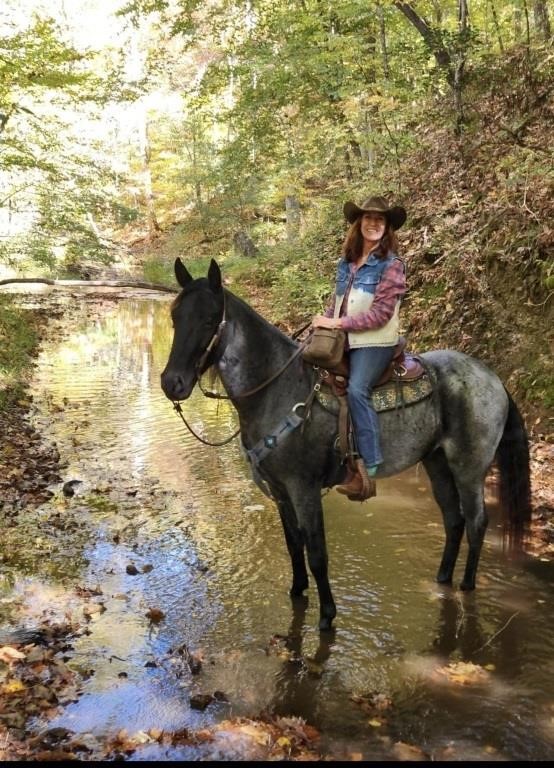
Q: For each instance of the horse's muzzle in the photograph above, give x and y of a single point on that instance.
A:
(175, 387)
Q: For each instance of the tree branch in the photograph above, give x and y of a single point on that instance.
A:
(430, 35)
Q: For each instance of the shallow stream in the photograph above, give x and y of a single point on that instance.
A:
(206, 548)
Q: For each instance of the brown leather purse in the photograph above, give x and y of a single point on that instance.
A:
(325, 347)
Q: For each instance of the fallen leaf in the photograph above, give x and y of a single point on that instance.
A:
(9, 654)
(375, 723)
(403, 751)
(14, 686)
(464, 673)
(155, 615)
(283, 742)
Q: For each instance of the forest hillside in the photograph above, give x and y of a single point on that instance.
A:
(132, 133)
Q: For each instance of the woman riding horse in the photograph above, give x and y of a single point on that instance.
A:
(370, 284)
(456, 432)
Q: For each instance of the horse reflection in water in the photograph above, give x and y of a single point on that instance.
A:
(298, 681)
(456, 433)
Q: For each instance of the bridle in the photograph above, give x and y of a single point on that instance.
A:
(214, 341)
(212, 344)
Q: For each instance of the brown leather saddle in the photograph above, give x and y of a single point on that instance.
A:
(403, 367)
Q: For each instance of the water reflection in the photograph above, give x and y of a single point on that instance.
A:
(297, 685)
(153, 495)
(458, 628)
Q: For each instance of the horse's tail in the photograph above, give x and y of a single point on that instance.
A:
(515, 478)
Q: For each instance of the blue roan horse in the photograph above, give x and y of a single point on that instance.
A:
(457, 432)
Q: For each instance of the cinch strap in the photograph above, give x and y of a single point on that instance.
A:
(269, 442)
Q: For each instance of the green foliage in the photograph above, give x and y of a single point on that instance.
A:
(538, 381)
(56, 188)
(35, 59)
(18, 340)
(297, 97)
(158, 271)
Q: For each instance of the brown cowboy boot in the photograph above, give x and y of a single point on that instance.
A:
(359, 486)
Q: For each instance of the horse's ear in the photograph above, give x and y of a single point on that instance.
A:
(181, 273)
(214, 276)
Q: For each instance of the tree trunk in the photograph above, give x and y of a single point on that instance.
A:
(496, 25)
(542, 20)
(94, 283)
(431, 36)
(245, 245)
(144, 145)
(527, 25)
(292, 209)
(383, 38)
(195, 165)
(439, 10)
(454, 67)
(517, 23)
(460, 63)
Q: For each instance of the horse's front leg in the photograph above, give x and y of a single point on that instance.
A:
(306, 501)
(295, 546)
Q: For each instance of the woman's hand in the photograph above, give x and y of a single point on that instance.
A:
(320, 321)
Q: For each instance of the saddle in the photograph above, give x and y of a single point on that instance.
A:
(403, 367)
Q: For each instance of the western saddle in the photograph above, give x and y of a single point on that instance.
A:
(403, 367)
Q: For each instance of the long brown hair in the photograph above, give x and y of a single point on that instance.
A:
(353, 245)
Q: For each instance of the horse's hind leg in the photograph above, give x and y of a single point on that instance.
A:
(295, 546)
(473, 508)
(448, 499)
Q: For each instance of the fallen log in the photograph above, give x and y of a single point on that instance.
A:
(92, 283)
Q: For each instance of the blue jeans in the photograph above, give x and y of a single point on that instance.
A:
(366, 368)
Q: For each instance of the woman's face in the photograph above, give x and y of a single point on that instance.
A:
(373, 226)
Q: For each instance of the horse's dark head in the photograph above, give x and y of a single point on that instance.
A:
(196, 314)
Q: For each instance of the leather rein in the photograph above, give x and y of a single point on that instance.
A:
(214, 341)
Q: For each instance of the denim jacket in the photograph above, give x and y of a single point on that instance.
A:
(360, 298)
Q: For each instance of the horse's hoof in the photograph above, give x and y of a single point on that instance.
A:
(446, 580)
(325, 625)
(300, 601)
(467, 587)
(298, 591)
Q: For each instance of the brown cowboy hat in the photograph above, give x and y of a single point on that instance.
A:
(395, 215)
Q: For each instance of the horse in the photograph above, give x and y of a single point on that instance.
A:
(469, 421)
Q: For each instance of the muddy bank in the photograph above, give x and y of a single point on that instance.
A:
(42, 668)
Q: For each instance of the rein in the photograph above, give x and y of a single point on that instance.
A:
(218, 396)
(214, 341)
(179, 411)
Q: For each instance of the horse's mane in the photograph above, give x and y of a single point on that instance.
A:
(260, 318)
(202, 283)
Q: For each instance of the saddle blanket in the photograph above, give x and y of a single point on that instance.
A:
(387, 397)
